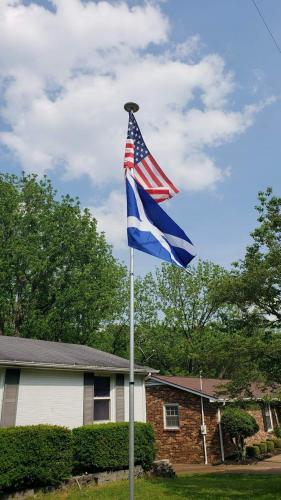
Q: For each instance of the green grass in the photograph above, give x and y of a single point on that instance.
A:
(212, 486)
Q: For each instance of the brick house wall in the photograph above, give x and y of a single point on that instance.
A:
(263, 434)
(184, 445)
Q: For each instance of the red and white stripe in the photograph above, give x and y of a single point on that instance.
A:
(149, 175)
(129, 154)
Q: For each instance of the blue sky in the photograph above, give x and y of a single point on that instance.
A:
(207, 78)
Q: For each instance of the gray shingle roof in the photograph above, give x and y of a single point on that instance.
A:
(18, 350)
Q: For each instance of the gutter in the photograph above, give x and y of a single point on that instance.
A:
(87, 368)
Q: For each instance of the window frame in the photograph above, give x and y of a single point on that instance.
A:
(103, 398)
(268, 414)
(171, 427)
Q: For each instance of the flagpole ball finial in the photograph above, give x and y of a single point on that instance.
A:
(131, 106)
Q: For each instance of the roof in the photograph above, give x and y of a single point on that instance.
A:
(41, 353)
(210, 386)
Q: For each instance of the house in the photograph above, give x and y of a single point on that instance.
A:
(65, 384)
(186, 419)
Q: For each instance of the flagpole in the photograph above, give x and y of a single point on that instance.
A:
(131, 107)
(132, 383)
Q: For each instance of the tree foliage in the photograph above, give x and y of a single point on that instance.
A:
(225, 323)
(239, 425)
(175, 313)
(254, 284)
(58, 278)
(59, 281)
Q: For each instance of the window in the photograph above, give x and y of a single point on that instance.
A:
(101, 399)
(171, 416)
(268, 425)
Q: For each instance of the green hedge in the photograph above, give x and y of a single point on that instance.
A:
(277, 442)
(253, 451)
(277, 431)
(36, 455)
(105, 446)
(270, 445)
(44, 455)
(263, 447)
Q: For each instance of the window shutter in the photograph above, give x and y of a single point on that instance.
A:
(10, 398)
(120, 402)
(88, 403)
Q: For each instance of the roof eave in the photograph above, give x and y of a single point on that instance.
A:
(212, 399)
(76, 367)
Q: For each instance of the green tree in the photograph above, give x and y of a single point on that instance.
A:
(254, 284)
(254, 288)
(58, 278)
(239, 425)
(175, 312)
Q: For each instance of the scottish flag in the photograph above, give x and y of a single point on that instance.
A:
(151, 230)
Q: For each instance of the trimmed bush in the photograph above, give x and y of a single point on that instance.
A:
(263, 447)
(105, 446)
(277, 431)
(37, 455)
(277, 442)
(272, 441)
(239, 425)
(253, 451)
(270, 445)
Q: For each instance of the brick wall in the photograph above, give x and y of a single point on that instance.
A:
(262, 434)
(186, 444)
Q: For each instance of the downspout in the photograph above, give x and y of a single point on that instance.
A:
(221, 436)
(276, 416)
(203, 426)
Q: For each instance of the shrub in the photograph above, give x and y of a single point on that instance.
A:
(263, 447)
(253, 451)
(239, 425)
(277, 431)
(272, 440)
(105, 446)
(35, 455)
(277, 442)
(270, 445)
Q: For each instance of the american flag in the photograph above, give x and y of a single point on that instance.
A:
(146, 170)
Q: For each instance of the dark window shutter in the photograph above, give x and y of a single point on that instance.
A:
(88, 404)
(10, 398)
(120, 401)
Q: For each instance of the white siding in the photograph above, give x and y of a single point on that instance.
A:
(50, 397)
(140, 403)
(2, 378)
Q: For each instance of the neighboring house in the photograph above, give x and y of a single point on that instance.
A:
(65, 384)
(177, 410)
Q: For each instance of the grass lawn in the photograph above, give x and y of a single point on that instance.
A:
(213, 486)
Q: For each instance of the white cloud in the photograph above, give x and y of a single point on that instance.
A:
(111, 218)
(188, 48)
(66, 75)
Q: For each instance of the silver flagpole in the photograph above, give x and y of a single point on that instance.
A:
(132, 382)
(131, 107)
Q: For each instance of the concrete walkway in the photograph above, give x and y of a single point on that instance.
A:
(270, 465)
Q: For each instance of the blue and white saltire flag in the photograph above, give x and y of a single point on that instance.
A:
(151, 230)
